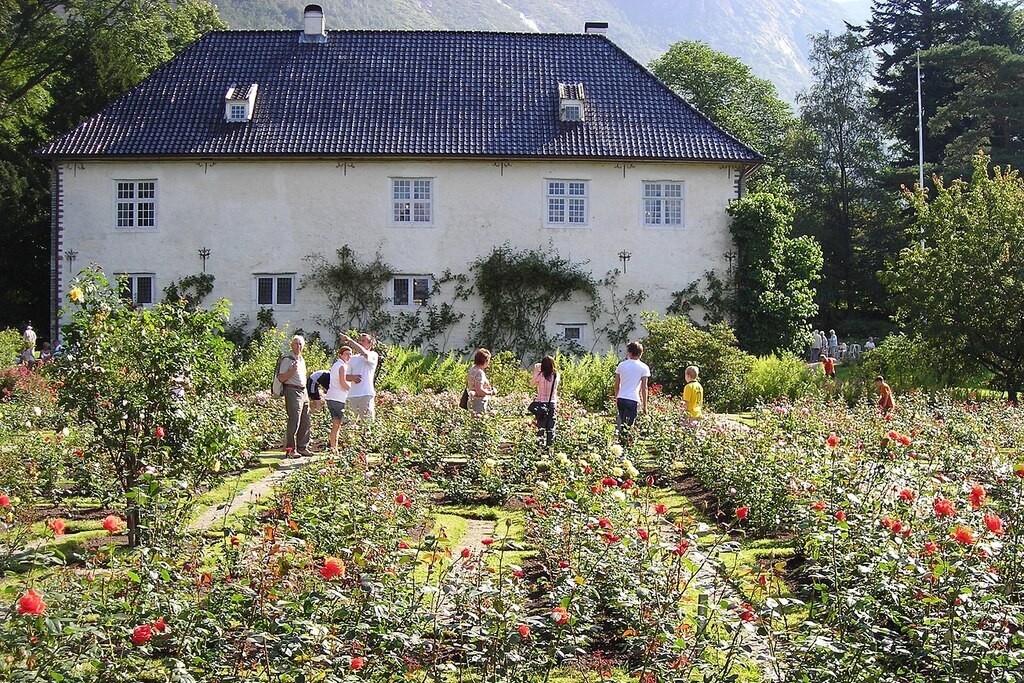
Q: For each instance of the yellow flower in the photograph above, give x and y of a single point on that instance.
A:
(77, 295)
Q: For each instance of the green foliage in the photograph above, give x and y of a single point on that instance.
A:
(780, 376)
(673, 343)
(621, 322)
(519, 289)
(716, 303)
(412, 371)
(775, 275)
(354, 289)
(430, 324)
(961, 287)
(11, 344)
(727, 91)
(150, 386)
(587, 379)
(191, 289)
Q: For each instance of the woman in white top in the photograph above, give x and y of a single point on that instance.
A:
(337, 393)
(545, 378)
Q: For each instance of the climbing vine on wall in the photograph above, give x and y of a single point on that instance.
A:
(191, 289)
(716, 301)
(430, 325)
(519, 289)
(616, 308)
(354, 289)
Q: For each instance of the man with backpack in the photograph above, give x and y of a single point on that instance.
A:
(291, 372)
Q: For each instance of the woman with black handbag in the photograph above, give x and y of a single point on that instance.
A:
(543, 407)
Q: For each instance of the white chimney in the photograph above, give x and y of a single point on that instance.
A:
(600, 27)
(314, 26)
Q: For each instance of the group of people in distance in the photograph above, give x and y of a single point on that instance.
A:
(631, 390)
(347, 389)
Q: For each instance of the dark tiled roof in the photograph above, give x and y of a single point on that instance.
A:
(407, 93)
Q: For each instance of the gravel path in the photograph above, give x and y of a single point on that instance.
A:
(250, 494)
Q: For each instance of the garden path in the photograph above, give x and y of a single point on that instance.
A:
(476, 531)
(250, 494)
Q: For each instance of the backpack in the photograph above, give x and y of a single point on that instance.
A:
(276, 387)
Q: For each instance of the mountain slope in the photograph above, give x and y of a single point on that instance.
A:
(770, 36)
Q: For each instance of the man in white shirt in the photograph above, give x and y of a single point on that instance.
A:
(362, 395)
(631, 377)
(292, 374)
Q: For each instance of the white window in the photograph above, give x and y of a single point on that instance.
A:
(275, 289)
(567, 202)
(573, 332)
(663, 203)
(412, 201)
(237, 111)
(137, 288)
(410, 290)
(136, 204)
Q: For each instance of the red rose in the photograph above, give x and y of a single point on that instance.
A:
(560, 616)
(832, 440)
(402, 545)
(31, 603)
(963, 534)
(5, 502)
(142, 634)
(943, 507)
(747, 612)
(681, 547)
(609, 481)
(994, 523)
(977, 496)
(741, 513)
(518, 573)
(819, 506)
(357, 663)
(660, 508)
(333, 568)
(160, 433)
(930, 547)
(611, 538)
(907, 496)
(604, 523)
(487, 541)
(466, 552)
(524, 631)
(404, 500)
(529, 501)
(113, 523)
(840, 515)
(563, 564)
(56, 526)
(642, 533)
(160, 625)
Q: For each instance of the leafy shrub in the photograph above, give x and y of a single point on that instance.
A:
(674, 343)
(256, 372)
(414, 371)
(11, 344)
(780, 376)
(587, 379)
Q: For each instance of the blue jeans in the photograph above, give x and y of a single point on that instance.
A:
(627, 412)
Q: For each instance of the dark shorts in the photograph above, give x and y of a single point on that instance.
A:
(337, 409)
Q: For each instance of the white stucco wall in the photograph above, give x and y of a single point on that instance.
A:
(265, 216)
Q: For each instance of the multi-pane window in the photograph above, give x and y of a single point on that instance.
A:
(137, 288)
(567, 202)
(412, 200)
(573, 332)
(663, 203)
(136, 204)
(410, 290)
(275, 290)
(238, 112)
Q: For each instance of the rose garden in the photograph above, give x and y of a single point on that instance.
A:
(803, 537)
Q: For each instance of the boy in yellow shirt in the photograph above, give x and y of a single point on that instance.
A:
(693, 394)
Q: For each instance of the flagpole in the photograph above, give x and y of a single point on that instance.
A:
(920, 127)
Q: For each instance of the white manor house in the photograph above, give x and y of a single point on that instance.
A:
(251, 150)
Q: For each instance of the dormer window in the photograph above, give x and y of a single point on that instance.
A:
(239, 103)
(570, 102)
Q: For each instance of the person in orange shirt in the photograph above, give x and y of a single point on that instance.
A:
(886, 402)
(828, 364)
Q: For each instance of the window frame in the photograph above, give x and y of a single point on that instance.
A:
(662, 201)
(135, 202)
(133, 287)
(566, 208)
(410, 291)
(276, 293)
(412, 201)
(582, 327)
